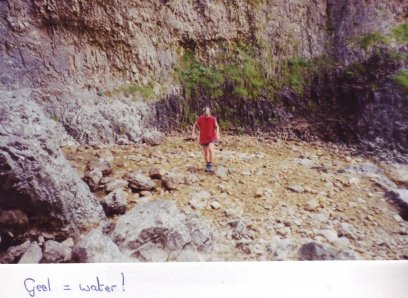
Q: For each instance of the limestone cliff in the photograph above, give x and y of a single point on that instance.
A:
(103, 71)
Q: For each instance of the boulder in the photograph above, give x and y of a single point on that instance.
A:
(152, 138)
(114, 183)
(33, 254)
(200, 200)
(399, 196)
(92, 178)
(101, 164)
(172, 181)
(139, 182)
(313, 251)
(14, 252)
(55, 252)
(159, 225)
(156, 173)
(240, 231)
(96, 247)
(34, 175)
(280, 248)
(115, 202)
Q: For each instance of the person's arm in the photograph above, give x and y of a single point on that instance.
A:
(217, 130)
(193, 134)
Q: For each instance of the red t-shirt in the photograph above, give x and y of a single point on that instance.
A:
(207, 129)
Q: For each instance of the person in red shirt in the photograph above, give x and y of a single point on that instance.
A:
(209, 133)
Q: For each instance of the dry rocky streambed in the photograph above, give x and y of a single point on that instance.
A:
(267, 200)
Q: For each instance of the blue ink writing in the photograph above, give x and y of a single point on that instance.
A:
(123, 281)
(67, 288)
(98, 287)
(32, 287)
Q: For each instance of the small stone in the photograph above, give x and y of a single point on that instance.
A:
(135, 158)
(330, 235)
(397, 217)
(172, 181)
(68, 242)
(200, 200)
(33, 254)
(341, 242)
(114, 184)
(263, 192)
(92, 178)
(346, 254)
(280, 248)
(55, 252)
(156, 173)
(234, 212)
(222, 172)
(123, 141)
(115, 202)
(216, 205)
(304, 162)
(314, 251)
(102, 164)
(139, 182)
(145, 194)
(296, 188)
(312, 205)
(191, 179)
(246, 173)
(153, 139)
(192, 169)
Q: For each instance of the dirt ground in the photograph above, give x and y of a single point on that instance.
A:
(284, 193)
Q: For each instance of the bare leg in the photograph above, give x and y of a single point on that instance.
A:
(206, 153)
(210, 152)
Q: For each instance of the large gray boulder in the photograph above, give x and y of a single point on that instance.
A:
(33, 255)
(96, 247)
(34, 175)
(158, 231)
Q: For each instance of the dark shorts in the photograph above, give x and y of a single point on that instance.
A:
(212, 142)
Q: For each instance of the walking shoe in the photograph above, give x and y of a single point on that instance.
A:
(210, 167)
(207, 168)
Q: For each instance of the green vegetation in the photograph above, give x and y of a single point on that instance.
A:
(239, 69)
(236, 68)
(400, 33)
(135, 91)
(197, 77)
(397, 56)
(294, 73)
(372, 38)
(254, 3)
(402, 79)
(356, 70)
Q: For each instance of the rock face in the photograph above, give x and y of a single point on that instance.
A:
(114, 47)
(158, 231)
(34, 175)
